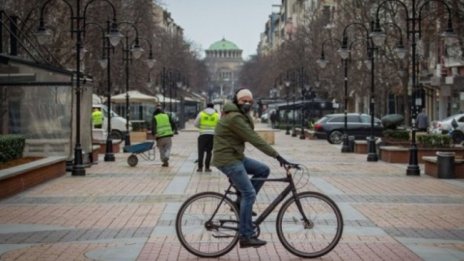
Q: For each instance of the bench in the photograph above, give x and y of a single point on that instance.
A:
(431, 167)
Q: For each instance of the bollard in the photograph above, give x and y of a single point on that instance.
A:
(351, 143)
(445, 164)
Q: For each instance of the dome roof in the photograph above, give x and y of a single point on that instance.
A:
(223, 45)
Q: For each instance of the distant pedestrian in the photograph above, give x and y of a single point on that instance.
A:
(97, 118)
(422, 121)
(163, 129)
(273, 118)
(206, 121)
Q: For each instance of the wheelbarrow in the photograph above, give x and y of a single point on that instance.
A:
(144, 150)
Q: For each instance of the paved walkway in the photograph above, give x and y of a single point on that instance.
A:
(117, 212)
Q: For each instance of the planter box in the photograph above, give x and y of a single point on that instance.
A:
(360, 146)
(102, 147)
(397, 154)
(20, 178)
(267, 135)
(431, 167)
(138, 136)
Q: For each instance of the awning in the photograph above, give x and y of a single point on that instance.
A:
(134, 97)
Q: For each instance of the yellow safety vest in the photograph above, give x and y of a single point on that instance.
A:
(163, 126)
(208, 122)
(97, 118)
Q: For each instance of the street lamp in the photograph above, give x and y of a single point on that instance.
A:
(344, 53)
(287, 84)
(305, 91)
(77, 27)
(322, 62)
(136, 51)
(105, 63)
(293, 111)
(413, 27)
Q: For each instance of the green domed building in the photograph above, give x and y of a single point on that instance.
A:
(224, 62)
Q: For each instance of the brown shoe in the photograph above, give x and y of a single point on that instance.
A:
(165, 164)
(208, 170)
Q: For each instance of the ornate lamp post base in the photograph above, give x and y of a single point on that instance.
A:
(345, 144)
(413, 168)
(127, 141)
(287, 132)
(372, 151)
(293, 132)
(77, 168)
(302, 135)
(109, 156)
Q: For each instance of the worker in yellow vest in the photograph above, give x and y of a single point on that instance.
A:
(97, 118)
(163, 129)
(206, 122)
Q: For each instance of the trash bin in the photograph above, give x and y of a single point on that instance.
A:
(445, 164)
(351, 143)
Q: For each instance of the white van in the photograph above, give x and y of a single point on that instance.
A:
(118, 123)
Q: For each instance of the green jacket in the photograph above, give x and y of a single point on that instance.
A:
(232, 131)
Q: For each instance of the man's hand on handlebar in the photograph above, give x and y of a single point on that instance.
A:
(284, 163)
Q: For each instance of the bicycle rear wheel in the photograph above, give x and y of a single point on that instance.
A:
(202, 230)
(313, 239)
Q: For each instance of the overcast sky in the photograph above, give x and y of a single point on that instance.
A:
(207, 21)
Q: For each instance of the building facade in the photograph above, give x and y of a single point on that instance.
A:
(224, 62)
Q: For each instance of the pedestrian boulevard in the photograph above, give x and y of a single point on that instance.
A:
(117, 212)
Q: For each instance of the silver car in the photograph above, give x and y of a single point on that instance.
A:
(445, 126)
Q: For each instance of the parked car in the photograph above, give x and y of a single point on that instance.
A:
(118, 123)
(331, 127)
(445, 126)
(175, 118)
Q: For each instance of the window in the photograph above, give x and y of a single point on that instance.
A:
(337, 119)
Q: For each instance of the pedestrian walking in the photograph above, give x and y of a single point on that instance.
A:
(163, 129)
(273, 118)
(206, 121)
(422, 121)
(234, 129)
(97, 118)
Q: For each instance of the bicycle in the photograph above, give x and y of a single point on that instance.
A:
(309, 224)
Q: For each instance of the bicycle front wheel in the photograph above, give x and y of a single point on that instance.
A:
(317, 235)
(206, 227)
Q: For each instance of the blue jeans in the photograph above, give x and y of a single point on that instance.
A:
(238, 173)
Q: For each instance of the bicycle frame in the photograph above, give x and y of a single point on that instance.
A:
(289, 189)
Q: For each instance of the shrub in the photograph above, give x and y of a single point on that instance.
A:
(435, 140)
(11, 147)
(396, 134)
(392, 121)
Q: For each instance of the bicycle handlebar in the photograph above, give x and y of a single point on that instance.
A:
(290, 166)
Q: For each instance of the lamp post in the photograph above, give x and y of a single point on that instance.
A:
(287, 84)
(293, 111)
(136, 53)
(413, 27)
(305, 90)
(344, 53)
(105, 63)
(322, 62)
(77, 27)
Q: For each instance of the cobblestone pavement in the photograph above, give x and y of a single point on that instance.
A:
(117, 212)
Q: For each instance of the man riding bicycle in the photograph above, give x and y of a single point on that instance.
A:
(233, 130)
